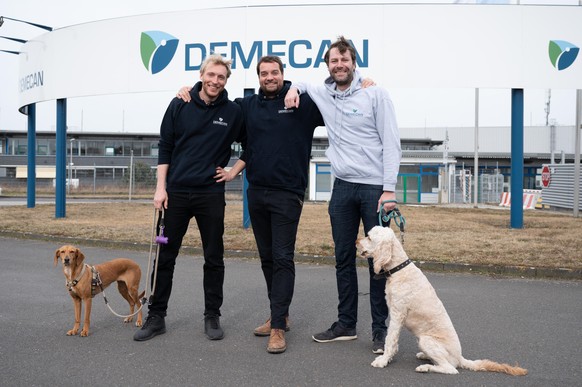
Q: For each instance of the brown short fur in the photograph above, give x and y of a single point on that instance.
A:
(126, 272)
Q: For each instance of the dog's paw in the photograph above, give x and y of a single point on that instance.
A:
(128, 320)
(424, 368)
(138, 323)
(84, 333)
(72, 332)
(380, 362)
(422, 356)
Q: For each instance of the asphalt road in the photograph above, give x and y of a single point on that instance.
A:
(535, 323)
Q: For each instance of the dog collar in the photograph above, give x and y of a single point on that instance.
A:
(386, 274)
(74, 282)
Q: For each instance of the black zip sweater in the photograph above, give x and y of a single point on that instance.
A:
(278, 146)
(195, 138)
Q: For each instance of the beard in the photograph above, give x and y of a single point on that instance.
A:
(272, 90)
(343, 81)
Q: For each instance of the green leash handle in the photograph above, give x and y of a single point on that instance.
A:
(386, 217)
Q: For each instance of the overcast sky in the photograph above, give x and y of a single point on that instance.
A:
(415, 108)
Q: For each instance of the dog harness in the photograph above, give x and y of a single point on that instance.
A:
(386, 274)
(95, 281)
(71, 284)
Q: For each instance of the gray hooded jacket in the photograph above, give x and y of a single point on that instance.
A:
(364, 140)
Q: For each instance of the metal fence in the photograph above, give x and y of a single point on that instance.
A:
(490, 187)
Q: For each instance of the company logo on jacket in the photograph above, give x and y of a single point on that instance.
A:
(220, 122)
(354, 113)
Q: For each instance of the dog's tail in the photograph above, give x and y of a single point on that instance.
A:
(491, 366)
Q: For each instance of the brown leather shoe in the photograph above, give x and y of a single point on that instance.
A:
(277, 342)
(265, 329)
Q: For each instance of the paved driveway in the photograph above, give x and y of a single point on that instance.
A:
(535, 323)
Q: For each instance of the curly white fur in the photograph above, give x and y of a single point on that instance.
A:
(415, 305)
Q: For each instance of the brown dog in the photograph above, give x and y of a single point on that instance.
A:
(82, 283)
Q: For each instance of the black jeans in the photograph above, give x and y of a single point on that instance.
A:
(275, 217)
(208, 209)
(350, 203)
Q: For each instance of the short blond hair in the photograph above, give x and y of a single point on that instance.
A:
(216, 59)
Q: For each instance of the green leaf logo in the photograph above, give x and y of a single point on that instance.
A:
(562, 54)
(157, 50)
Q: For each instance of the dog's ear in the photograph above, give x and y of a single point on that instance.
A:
(80, 256)
(382, 253)
(57, 256)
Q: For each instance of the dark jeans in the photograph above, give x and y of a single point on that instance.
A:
(274, 217)
(349, 203)
(208, 209)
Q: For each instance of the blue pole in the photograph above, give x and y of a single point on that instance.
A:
(516, 158)
(246, 214)
(31, 150)
(61, 164)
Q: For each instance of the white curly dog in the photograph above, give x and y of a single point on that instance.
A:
(414, 304)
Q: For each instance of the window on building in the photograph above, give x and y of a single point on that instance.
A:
(42, 150)
(323, 178)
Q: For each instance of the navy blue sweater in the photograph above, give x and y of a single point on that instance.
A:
(278, 146)
(195, 138)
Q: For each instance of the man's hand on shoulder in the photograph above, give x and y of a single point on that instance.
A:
(367, 82)
(184, 93)
(292, 98)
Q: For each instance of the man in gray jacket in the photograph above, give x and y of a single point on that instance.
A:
(364, 152)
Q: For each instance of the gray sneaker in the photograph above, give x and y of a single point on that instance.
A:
(212, 327)
(379, 340)
(154, 325)
(335, 333)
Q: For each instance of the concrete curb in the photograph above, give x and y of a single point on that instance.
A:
(444, 267)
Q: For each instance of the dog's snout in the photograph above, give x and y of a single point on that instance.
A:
(66, 260)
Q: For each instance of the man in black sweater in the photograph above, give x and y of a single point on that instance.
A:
(276, 158)
(195, 143)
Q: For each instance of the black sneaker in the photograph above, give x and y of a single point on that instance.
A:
(212, 327)
(154, 325)
(335, 333)
(379, 339)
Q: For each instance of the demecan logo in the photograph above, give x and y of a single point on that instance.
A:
(157, 50)
(562, 53)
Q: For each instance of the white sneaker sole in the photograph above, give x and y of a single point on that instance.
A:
(339, 338)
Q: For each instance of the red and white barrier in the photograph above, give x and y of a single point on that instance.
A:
(530, 198)
(529, 201)
(505, 199)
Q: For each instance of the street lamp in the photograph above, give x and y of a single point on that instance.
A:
(24, 21)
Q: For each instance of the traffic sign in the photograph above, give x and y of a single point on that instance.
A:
(546, 176)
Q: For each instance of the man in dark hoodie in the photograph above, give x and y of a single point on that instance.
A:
(195, 141)
(276, 158)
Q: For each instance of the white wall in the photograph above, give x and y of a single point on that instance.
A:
(408, 46)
